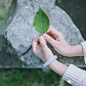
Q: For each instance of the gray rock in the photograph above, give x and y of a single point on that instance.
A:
(17, 31)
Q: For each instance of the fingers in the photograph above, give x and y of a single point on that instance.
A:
(42, 43)
(53, 31)
(38, 42)
(34, 43)
(45, 48)
(49, 39)
(55, 34)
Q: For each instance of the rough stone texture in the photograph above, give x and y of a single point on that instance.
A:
(17, 32)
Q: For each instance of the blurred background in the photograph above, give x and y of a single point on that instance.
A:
(41, 77)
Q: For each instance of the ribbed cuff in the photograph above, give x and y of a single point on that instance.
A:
(84, 50)
(72, 75)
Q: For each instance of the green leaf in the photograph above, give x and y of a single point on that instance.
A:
(41, 22)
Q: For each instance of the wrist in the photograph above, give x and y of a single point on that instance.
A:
(58, 67)
(50, 61)
(47, 58)
(76, 50)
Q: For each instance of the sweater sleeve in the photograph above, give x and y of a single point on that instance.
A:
(75, 76)
(84, 50)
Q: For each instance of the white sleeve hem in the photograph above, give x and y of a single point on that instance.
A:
(84, 50)
(72, 75)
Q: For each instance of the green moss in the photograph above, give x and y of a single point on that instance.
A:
(27, 77)
(2, 16)
(24, 77)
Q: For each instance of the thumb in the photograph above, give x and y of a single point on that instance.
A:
(47, 52)
(49, 39)
(42, 43)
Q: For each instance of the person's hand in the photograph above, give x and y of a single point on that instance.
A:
(40, 49)
(56, 39)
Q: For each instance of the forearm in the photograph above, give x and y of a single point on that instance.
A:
(58, 67)
(71, 74)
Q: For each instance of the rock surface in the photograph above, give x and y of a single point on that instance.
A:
(17, 32)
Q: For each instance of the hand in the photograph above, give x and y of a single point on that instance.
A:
(40, 49)
(56, 39)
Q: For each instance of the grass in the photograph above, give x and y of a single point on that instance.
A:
(27, 77)
(30, 77)
(2, 17)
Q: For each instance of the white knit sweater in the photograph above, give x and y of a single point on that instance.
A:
(74, 75)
